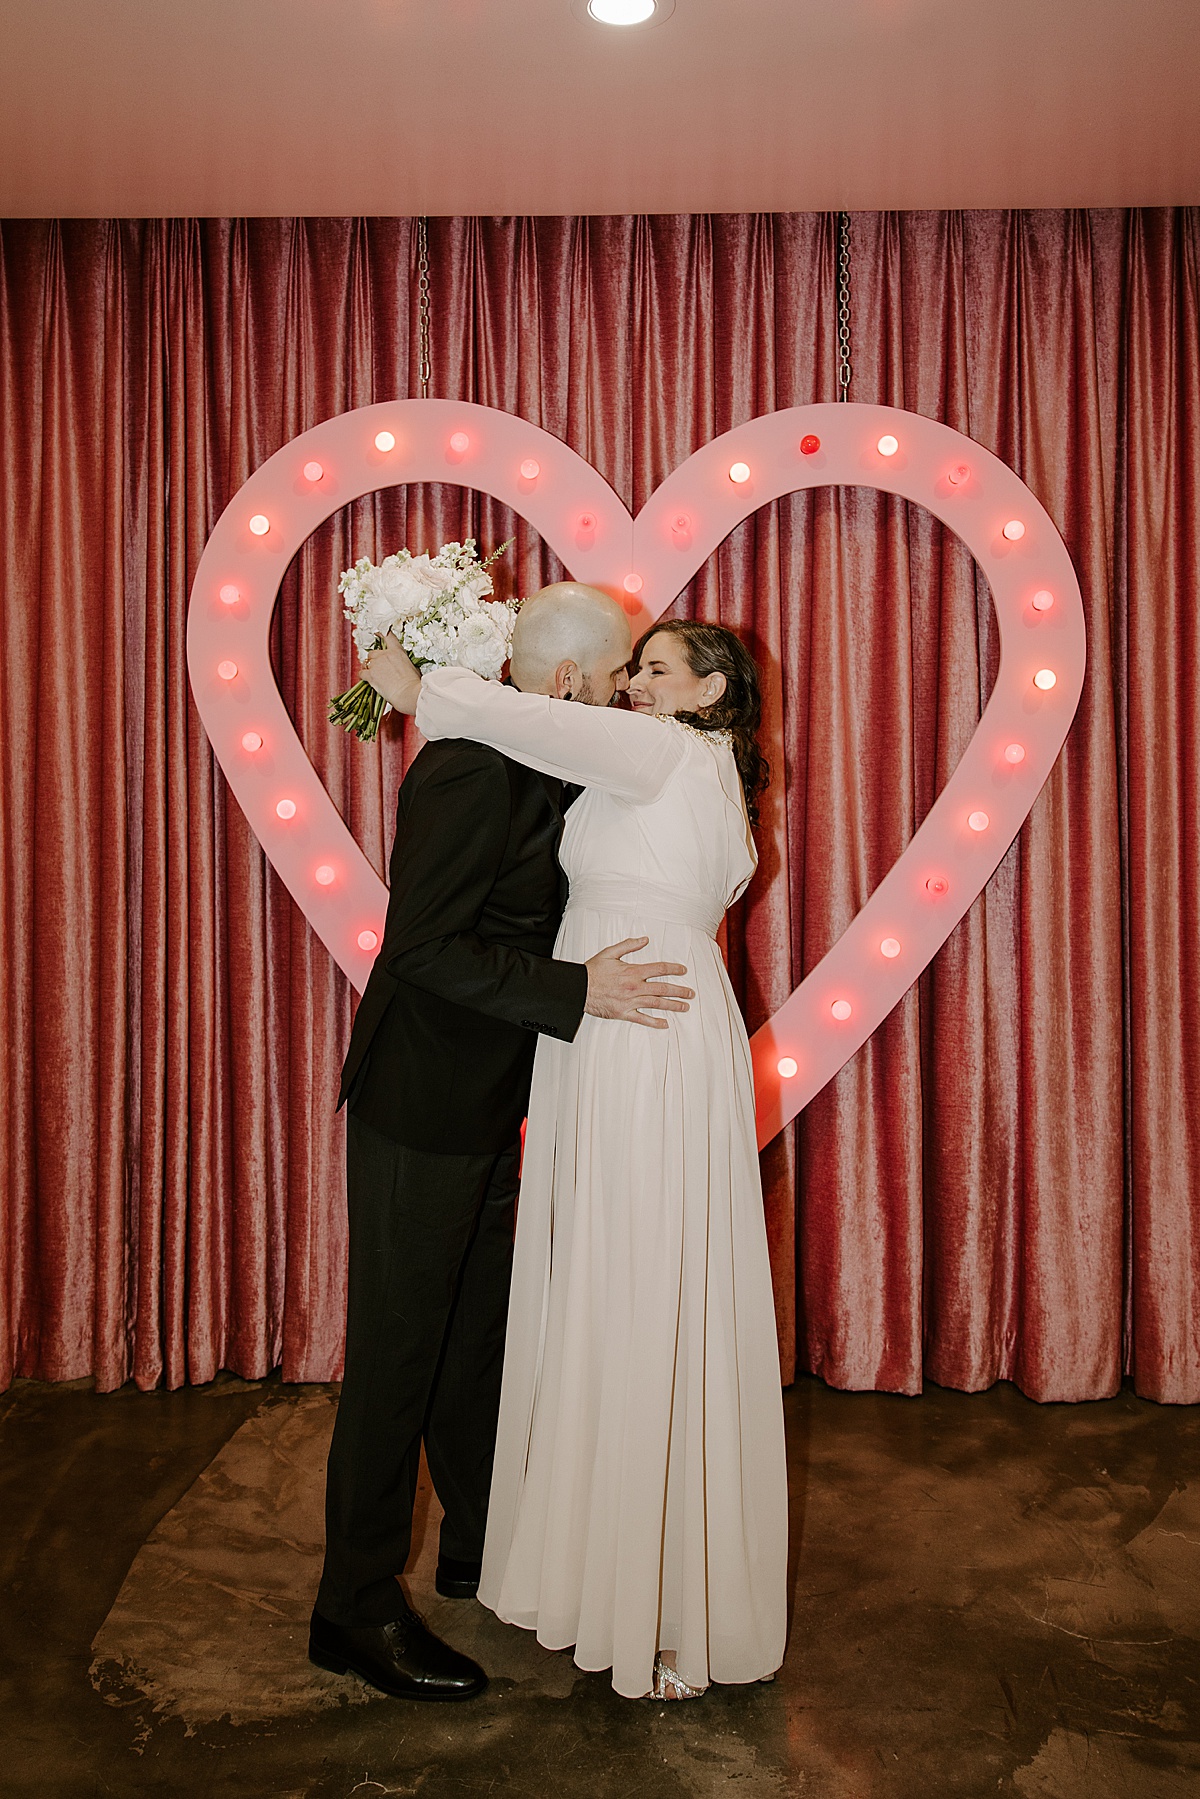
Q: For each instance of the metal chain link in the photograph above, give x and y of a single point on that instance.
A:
(843, 333)
(423, 366)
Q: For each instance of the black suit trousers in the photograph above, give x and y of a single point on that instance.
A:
(431, 1243)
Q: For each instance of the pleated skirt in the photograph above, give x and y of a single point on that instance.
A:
(639, 1499)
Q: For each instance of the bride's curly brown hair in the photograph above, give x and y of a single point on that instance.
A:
(714, 650)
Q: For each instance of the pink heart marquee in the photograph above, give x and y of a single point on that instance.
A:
(646, 562)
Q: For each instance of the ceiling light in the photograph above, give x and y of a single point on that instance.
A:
(622, 12)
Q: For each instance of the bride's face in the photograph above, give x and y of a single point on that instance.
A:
(664, 682)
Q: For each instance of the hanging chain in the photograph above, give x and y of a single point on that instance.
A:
(423, 366)
(843, 332)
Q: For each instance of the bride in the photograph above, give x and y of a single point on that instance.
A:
(639, 1500)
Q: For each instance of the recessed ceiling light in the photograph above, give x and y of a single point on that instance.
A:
(622, 12)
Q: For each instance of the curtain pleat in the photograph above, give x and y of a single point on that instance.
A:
(1002, 1183)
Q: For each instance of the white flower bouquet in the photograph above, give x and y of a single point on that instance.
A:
(437, 607)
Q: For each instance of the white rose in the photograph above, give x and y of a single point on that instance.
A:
(407, 586)
(474, 589)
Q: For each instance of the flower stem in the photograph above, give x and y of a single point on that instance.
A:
(359, 710)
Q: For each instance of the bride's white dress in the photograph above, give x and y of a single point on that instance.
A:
(639, 1499)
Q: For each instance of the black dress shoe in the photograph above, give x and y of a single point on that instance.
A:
(457, 1580)
(403, 1658)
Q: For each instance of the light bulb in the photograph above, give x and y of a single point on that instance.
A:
(587, 521)
(841, 1010)
(937, 885)
(460, 443)
(787, 1066)
(1014, 530)
(260, 524)
(958, 474)
(809, 445)
(1043, 599)
(739, 472)
(227, 670)
(1014, 753)
(681, 525)
(324, 875)
(632, 584)
(888, 445)
(230, 594)
(530, 470)
(368, 940)
(622, 12)
(385, 441)
(890, 947)
(251, 741)
(286, 808)
(978, 821)
(313, 471)
(1045, 679)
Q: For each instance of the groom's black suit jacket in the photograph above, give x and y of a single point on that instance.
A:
(441, 1054)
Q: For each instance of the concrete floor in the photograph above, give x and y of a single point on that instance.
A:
(989, 1597)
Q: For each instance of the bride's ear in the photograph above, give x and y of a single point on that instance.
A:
(713, 690)
(566, 680)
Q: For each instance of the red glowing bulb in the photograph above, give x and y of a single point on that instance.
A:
(890, 947)
(841, 1010)
(632, 584)
(384, 441)
(368, 940)
(959, 474)
(1014, 753)
(888, 445)
(227, 670)
(260, 524)
(978, 821)
(787, 1066)
(937, 885)
(251, 741)
(1045, 679)
(739, 472)
(324, 875)
(230, 594)
(313, 471)
(286, 808)
(460, 443)
(1043, 599)
(530, 470)
(809, 445)
(587, 521)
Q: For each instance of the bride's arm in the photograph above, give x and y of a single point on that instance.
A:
(626, 753)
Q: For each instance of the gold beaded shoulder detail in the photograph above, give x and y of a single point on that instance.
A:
(669, 718)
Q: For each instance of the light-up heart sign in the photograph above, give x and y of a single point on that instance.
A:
(646, 562)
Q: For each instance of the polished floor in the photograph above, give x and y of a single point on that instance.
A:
(990, 1597)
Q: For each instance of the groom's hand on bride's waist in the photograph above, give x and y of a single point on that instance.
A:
(631, 990)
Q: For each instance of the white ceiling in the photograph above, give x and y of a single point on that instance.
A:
(150, 107)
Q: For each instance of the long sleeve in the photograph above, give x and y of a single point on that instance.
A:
(448, 850)
(595, 746)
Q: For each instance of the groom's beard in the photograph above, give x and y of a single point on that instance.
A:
(587, 693)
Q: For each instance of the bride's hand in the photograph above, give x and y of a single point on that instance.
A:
(391, 674)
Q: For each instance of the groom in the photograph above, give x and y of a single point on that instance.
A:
(437, 1080)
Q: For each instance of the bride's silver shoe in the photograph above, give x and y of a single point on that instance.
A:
(668, 1684)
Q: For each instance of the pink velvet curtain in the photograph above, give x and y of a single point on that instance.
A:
(1002, 1184)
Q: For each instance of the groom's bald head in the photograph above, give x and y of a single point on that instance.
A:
(571, 640)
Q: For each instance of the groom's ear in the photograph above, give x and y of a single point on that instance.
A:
(566, 680)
